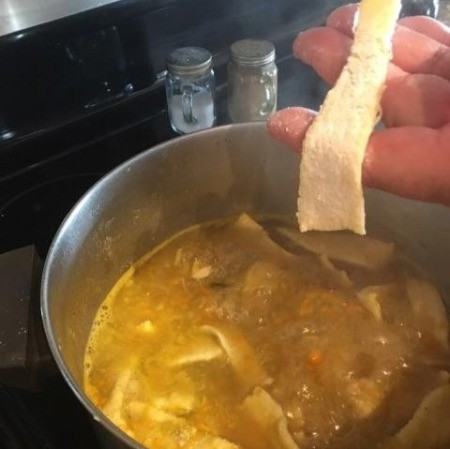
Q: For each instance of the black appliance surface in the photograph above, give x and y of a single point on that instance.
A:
(62, 128)
(42, 175)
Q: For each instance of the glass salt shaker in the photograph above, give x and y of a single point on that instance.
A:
(252, 81)
(190, 89)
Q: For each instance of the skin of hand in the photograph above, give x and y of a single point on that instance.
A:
(410, 157)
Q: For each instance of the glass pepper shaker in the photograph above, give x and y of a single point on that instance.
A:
(190, 89)
(252, 80)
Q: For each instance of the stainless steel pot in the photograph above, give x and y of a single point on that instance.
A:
(211, 174)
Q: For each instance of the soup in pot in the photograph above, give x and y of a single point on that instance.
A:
(247, 334)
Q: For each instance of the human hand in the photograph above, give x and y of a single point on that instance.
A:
(411, 156)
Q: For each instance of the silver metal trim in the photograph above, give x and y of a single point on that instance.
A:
(18, 15)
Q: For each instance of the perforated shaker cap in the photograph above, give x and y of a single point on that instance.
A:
(189, 61)
(253, 52)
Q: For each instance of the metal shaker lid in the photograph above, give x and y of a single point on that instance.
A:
(189, 61)
(253, 52)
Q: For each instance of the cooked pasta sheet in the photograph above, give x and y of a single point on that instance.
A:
(244, 334)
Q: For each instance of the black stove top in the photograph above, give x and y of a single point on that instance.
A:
(37, 408)
(35, 197)
(48, 419)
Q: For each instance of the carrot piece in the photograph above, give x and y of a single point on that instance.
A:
(315, 357)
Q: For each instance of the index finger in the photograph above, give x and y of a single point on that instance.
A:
(429, 27)
(413, 51)
(342, 19)
(413, 162)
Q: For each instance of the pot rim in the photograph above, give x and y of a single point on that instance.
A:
(55, 350)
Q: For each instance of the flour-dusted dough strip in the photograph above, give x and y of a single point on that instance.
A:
(330, 192)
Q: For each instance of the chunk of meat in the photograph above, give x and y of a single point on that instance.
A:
(200, 271)
(146, 327)
(365, 396)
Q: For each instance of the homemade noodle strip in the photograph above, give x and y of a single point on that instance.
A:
(428, 428)
(330, 192)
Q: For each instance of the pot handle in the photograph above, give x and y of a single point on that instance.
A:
(187, 104)
(270, 92)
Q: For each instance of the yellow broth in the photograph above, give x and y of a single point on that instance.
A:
(232, 334)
